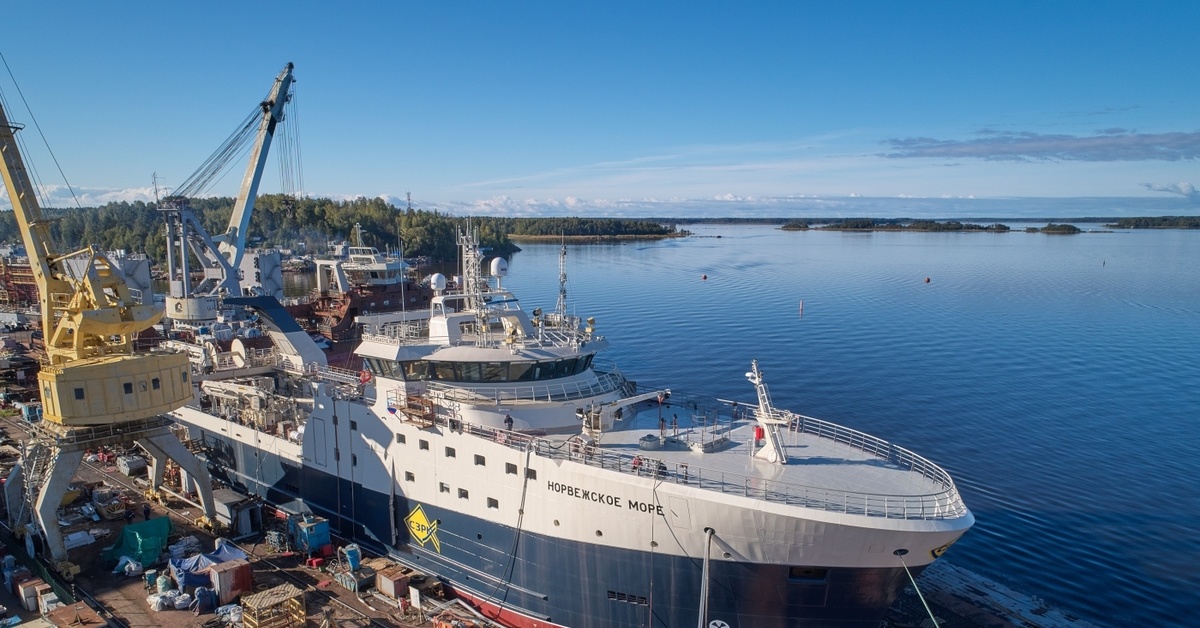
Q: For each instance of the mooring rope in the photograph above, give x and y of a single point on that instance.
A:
(900, 554)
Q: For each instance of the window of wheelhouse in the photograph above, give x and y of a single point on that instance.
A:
(495, 372)
(584, 363)
(520, 371)
(470, 372)
(563, 368)
(444, 371)
(415, 371)
(492, 372)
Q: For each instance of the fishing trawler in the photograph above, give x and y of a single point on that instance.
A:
(486, 445)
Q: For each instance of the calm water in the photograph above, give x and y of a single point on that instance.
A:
(1055, 377)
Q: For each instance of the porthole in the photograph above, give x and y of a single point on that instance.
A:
(599, 533)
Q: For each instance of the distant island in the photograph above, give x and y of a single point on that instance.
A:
(1058, 229)
(875, 224)
(1159, 222)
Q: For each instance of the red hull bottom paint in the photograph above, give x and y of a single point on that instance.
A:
(505, 616)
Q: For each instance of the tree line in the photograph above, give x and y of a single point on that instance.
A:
(310, 224)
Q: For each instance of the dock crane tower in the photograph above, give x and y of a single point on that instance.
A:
(95, 389)
(221, 255)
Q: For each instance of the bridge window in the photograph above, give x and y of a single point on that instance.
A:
(480, 461)
(401, 439)
(495, 372)
(520, 371)
(450, 453)
(470, 371)
(128, 388)
(155, 383)
(78, 393)
(563, 368)
(424, 444)
(510, 468)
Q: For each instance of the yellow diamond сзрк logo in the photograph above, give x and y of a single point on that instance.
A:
(422, 529)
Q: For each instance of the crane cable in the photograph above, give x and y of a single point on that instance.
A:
(291, 174)
(38, 187)
(207, 174)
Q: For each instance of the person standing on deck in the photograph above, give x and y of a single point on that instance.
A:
(146, 510)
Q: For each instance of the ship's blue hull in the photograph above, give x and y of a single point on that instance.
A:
(562, 581)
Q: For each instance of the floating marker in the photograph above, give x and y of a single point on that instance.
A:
(927, 280)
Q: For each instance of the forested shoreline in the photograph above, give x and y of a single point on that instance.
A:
(309, 225)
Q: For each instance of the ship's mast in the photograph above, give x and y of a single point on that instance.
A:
(772, 450)
(474, 283)
(561, 307)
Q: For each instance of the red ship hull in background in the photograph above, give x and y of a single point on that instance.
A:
(364, 282)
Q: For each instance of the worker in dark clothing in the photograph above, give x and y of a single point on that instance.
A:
(128, 515)
(508, 422)
(146, 510)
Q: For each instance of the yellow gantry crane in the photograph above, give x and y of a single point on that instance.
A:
(95, 389)
(90, 320)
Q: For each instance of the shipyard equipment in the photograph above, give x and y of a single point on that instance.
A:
(96, 391)
(221, 256)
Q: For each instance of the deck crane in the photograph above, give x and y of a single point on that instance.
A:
(221, 255)
(95, 389)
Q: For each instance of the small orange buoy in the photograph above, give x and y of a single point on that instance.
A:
(927, 280)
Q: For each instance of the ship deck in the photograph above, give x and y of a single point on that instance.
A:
(829, 467)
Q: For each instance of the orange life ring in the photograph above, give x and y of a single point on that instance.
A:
(364, 376)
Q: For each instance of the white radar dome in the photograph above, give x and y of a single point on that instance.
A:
(437, 281)
(499, 267)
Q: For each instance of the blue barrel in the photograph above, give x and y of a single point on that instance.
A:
(353, 556)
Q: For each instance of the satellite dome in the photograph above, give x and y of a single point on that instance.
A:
(499, 267)
(437, 281)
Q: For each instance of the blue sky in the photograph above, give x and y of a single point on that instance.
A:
(632, 108)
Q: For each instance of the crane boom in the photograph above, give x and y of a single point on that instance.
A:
(220, 256)
(233, 242)
(90, 319)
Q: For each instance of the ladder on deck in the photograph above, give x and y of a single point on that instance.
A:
(37, 460)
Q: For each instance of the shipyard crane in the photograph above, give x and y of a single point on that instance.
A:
(220, 255)
(95, 389)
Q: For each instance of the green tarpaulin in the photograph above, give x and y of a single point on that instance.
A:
(143, 542)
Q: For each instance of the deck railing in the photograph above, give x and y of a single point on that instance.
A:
(944, 504)
(866, 443)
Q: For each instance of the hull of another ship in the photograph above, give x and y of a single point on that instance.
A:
(543, 580)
